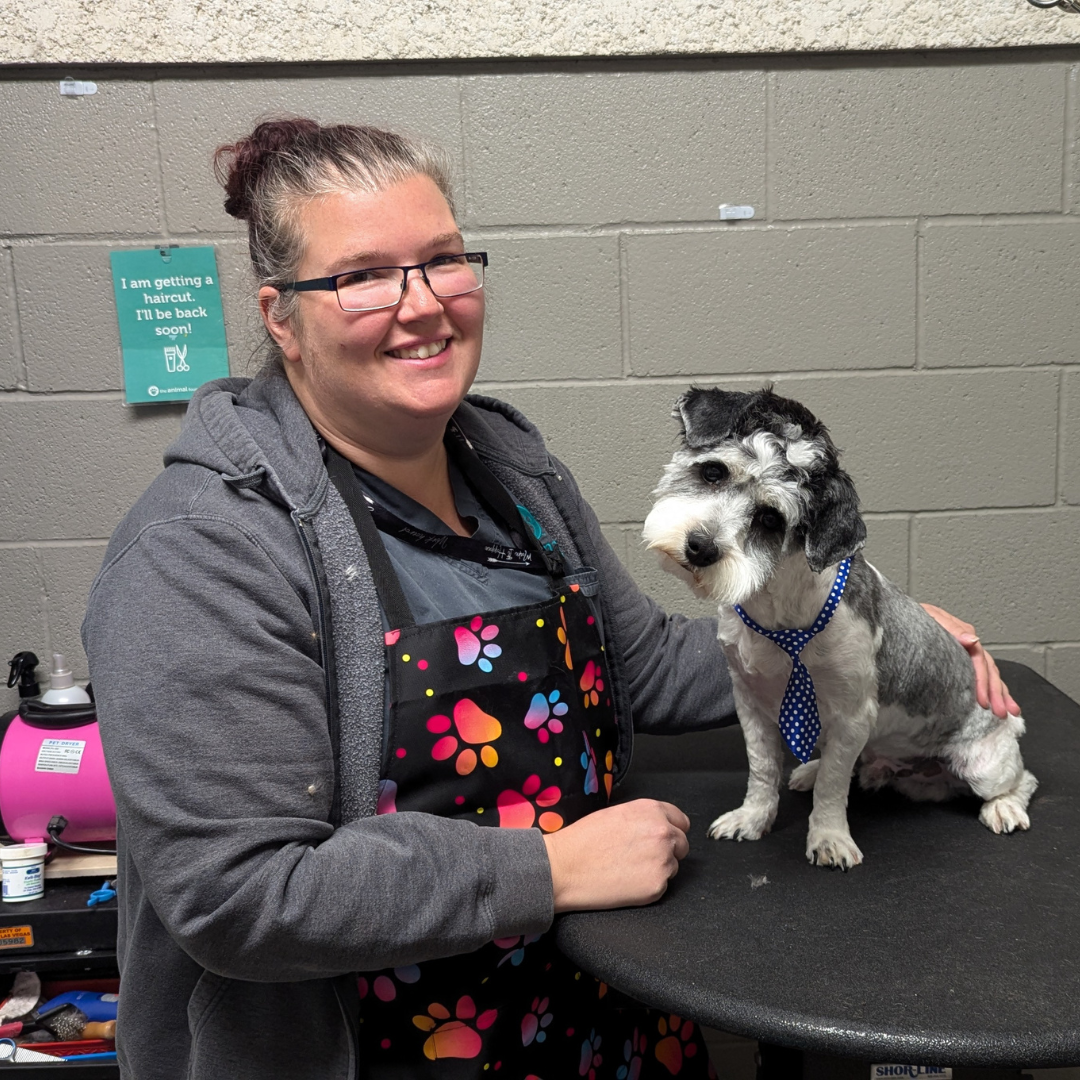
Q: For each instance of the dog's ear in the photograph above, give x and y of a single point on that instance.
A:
(836, 529)
(708, 415)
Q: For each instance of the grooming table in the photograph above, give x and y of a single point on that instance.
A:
(948, 946)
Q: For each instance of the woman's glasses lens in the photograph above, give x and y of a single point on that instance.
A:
(448, 275)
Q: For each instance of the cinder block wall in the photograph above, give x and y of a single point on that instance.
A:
(910, 274)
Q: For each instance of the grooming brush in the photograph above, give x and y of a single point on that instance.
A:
(70, 1023)
(78, 1014)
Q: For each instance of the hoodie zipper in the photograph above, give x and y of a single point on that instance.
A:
(309, 543)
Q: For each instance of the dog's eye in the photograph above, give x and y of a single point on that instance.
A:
(769, 519)
(713, 472)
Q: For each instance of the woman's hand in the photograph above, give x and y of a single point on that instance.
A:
(990, 691)
(621, 856)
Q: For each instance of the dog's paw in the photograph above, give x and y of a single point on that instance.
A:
(832, 847)
(741, 824)
(1005, 814)
(803, 776)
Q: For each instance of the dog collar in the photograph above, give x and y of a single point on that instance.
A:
(799, 721)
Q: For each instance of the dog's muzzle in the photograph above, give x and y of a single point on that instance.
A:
(701, 549)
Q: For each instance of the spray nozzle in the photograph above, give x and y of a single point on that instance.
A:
(22, 672)
(61, 677)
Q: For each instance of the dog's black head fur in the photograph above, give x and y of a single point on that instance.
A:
(834, 529)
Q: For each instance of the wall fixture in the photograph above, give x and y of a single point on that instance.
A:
(1065, 5)
(75, 88)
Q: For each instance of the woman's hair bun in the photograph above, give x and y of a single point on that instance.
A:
(241, 166)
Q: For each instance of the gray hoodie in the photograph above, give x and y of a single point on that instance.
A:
(236, 654)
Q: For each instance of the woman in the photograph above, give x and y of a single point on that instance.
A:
(355, 618)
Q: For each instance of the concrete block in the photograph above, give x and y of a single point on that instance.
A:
(244, 328)
(78, 165)
(1015, 575)
(71, 340)
(10, 355)
(75, 344)
(552, 308)
(887, 547)
(22, 599)
(615, 439)
(882, 139)
(1070, 440)
(73, 467)
(771, 300)
(917, 441)
(69, 573)
(198, 115)
(1033, 656)
(934, 440)
(1072, 135)
(613, 146)
(996, 294)
(1063, 669)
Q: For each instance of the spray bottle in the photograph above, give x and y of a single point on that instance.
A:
(62, 689)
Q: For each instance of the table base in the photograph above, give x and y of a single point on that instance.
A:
(785, 1063)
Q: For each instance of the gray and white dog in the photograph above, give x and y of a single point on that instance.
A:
(755, 511)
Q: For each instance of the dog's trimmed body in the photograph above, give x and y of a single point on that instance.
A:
(756, 511)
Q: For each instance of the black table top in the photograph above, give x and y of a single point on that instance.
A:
(948, 945)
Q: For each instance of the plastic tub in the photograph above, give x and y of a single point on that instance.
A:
(23, 871)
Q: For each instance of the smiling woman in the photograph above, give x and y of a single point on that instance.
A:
(402, 667)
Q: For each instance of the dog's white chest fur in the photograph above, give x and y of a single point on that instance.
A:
(839, 659)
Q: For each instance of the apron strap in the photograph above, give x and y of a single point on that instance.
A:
(391, 595)
(499, 502)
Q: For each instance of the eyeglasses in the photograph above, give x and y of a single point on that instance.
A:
(384, 286)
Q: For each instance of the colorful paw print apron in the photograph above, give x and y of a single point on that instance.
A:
(503, 718)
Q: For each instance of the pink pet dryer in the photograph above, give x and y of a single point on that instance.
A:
(52, 766)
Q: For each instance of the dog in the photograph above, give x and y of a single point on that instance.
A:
(755, 513)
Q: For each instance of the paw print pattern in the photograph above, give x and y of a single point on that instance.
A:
(543, 715)
(588, 763)
(517, 812)
(533, 1023)
(674, 1047)
(469, 646)
(591, 1059)
(564, 638)
(454, 1038)
(517, 946)
(473, 726)
(633, 1051)
(384, 987)
(591, 684)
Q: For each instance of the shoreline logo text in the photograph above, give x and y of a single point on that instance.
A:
(879, 1071)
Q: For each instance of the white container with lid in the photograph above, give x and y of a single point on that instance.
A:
(23, 871)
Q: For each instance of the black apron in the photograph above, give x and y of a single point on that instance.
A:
(504, 719)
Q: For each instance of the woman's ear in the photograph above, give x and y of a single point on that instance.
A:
(282, 331)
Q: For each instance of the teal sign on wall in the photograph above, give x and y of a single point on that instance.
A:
(172, 332)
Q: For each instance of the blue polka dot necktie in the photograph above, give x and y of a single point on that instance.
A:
(799, 721)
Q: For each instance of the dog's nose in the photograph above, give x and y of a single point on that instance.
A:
(701, 549)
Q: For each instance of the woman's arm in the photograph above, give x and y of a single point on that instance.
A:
(211, 701)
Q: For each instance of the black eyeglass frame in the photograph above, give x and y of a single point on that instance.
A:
(329, 284)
